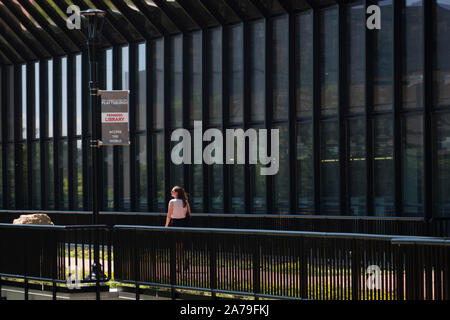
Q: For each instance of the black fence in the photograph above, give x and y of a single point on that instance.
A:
(412, 226)
(53, 254)
(258, 263)
(294, 265)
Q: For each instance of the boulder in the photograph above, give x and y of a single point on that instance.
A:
(38, 218)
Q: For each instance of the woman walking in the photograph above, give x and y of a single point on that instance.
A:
(178, 215)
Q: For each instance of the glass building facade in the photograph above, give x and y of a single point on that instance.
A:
(363, 115)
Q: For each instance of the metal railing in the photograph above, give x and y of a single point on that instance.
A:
(258, 263)
(411, 226)
(53, 254)
(288, 265)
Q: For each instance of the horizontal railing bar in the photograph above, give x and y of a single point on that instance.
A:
(50, 227)
(267, 232)
(16, 276)
(429, 241)
(231, 215)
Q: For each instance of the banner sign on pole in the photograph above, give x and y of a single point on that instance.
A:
(115, 124)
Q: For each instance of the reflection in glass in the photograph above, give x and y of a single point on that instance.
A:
(77, 176)
(24, 192)
(141, 174)
(176, 81)
(357, 166)
(384, 59)
(125, 76)
(258, 187)
(78, 97)
(108, 178)
(280, 67)
(442, 174)
(304, 63)
(109, 69)
(412, 165)
(50, 98)
(176, 170)
(441, 72)
(158, 83)
(257, 70)
(24, 101)
(49, 176)
(384, 167)
(330, 175)
(36, 175)
(329, 60)
(10, 176)
(158, 169)
(216, 186)
(63, 118)
(236, 73)
(141, 88)
(356, 61)
(63, 170)
(36, 100)
(237, 182)
(281, 179)
(214, 74)
(196, 182)
(194, 71)
(413, 44)
(305, 166)
(124, 184)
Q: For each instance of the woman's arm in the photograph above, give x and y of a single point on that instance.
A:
(188, 209)
(169, 214)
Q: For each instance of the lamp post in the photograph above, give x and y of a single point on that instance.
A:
(95, 26)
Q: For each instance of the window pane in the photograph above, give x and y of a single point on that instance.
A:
(64, 97)
(49, 176)
(24, 101)
(176, 81)
(384, 59)
(258, 187)
(141, 174)
(1, 175)
(214, 74)
(384, 167)
(37, 100)
(216, 187)
(330, 175)
(109, 69)
(141, 87)
(413, 54)
(329, 58)
(36, 175)
(64, 175)
(125, 68)
(280, 82)
(236, 73)
(442, 175)
(356, 61)
(10, 103)
(158, 83)
(412, 165)
(357, 173)
(281, 179)
(77, 175)
(108, 178)
(50, 98)
(442, 48)
(305, 167)
(257, 71)
(158, 168)
(194, 70)
(78, 97)
(124, 184)
(196, 182)
(24, 193)
(176, 170)
(10, 176)
(304, 64)
(237, 177)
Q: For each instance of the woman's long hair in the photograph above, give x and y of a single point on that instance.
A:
(181, 195)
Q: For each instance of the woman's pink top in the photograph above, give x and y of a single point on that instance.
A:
(179, 212)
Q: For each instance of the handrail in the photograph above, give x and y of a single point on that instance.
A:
(230, 215)
(272, 233)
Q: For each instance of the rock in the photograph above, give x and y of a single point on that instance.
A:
(39, 219)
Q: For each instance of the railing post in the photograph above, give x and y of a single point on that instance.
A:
(54, 262)
(303, 271)
(26, 267)
(399, 272)
(173, 264)
(256, 268)
(356, 271)
(213, 266)
(136, 265)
